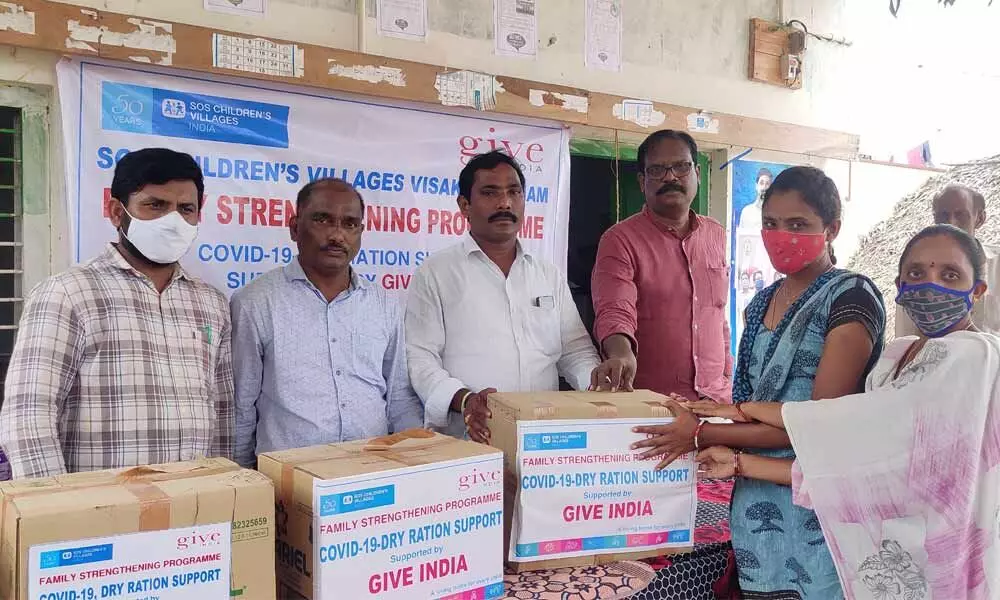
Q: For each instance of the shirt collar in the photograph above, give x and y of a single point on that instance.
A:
(113, 257)
(469, 247)
(294, 272)
(695, 221)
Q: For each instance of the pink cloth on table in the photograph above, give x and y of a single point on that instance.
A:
(712, 522)
(614, 581)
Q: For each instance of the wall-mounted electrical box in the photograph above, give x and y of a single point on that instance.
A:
(776, 53)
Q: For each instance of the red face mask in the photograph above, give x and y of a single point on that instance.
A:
(791, 252)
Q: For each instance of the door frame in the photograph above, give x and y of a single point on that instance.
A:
(629, 152)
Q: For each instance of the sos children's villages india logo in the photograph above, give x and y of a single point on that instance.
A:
(530, 155)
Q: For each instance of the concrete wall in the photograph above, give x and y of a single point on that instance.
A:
(685, 52)
(28, 81)
(688, 52)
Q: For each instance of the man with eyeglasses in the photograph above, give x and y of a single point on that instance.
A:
(660, 284)
(318, 351)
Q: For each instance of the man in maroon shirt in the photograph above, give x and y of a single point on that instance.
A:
(660, 285)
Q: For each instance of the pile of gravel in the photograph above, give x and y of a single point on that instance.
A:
(878, 252)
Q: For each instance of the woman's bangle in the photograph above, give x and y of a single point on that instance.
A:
(697, 432)
(742, 414)
(465, 399)
(736, 463)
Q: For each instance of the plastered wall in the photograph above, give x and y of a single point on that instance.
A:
(685, 52)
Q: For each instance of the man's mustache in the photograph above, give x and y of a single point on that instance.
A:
(503, 215)
(670, 187)
(329, 247)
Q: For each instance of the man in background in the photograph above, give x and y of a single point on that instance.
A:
(125, 360)
(751, 217)
(965, 208)
(318, 350)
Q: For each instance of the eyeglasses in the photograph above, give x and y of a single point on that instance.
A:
(680, 169)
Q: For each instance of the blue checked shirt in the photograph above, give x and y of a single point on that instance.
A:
(310, 372)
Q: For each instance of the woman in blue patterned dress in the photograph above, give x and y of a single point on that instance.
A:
(814, 334)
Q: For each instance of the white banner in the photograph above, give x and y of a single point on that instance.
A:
(258, 146)
(583, 492)
(430, 531)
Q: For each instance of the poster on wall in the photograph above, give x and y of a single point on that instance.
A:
(752, 270)
(243, 8)
(515, 28)
(258, 146)
(403, 19)
(603, 36)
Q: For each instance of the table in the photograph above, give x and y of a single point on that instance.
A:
(612, 581)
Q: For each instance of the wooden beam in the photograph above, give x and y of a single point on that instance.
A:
(75, 30)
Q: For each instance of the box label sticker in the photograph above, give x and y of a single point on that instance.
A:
(435, 531)
(571, 440)
(188, 562)
(335, 504)
(582, 492)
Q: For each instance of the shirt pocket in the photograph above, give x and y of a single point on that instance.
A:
(200, 348)
(367, 354)
(718, 285)
(543, 328)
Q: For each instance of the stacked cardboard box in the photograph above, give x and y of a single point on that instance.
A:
(411, 515)
(575, 494)
(199, 529)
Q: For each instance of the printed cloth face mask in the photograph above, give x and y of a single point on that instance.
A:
(163, 240)
(933, 308)
(791, 252)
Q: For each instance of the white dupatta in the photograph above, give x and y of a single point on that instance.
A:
(904, 478)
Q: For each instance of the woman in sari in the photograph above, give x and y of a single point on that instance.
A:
(908, 496)
(814, 334)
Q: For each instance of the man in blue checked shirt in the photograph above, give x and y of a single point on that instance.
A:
(318, 351)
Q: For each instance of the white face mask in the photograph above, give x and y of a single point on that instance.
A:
(163, 240)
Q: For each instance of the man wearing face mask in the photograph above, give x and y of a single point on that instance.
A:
(125, 360)
(965, 208)
(660, 284)
(318, 350)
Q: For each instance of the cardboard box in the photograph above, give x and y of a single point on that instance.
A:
(199, 529)
(411, 515)
(574, 494)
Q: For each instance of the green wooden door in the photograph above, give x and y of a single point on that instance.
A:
(629, 195)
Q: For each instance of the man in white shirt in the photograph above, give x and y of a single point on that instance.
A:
(485, 315)
(751, 218)
(965, 208)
